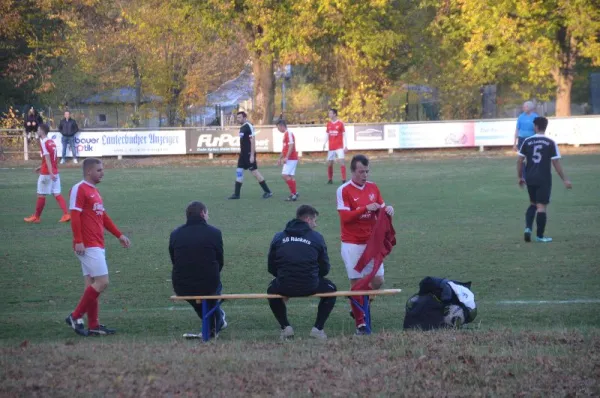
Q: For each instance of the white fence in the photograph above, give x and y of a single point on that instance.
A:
(452, 134)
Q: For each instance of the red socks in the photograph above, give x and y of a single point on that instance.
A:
(39, 205)
(343, 169)
(330, 172)
(292, 186)
(61, 203)
(359, 315)
(92, 314)
(90, 295)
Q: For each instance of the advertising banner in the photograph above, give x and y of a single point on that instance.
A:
(308, 139)
(587, 131)
(226, 141)
(153, 142)
(373, 136)
(437, 135)
(495, 133)
(86, 144)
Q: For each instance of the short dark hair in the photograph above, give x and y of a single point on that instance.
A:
(281, 122)
(194, 209)
(244, 114)
(541, 123)
(356, 159)
(306, 210)
(333, 110)
(89, 162)
(45, 128)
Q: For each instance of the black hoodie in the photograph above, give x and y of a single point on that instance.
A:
(298, 258)
(196, 251)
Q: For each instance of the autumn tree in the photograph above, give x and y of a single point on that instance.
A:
(533, 45)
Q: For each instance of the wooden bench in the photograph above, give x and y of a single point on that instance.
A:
(250, 296)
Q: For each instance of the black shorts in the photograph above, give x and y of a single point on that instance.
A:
(539, 193)
(244, 163)
(324, 286)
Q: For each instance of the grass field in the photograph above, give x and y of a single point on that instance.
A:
(460, 218)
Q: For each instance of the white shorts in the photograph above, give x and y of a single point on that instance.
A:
(339, 153)
(93, 262)
(350, 254)
(289, 168)
(46, 186)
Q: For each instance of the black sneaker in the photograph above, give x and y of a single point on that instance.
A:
(329, 182)
(291, 198)
(234, 196)
(267, 195)
(101, 330)
(77, 325)
(361, 330)
(527, 235)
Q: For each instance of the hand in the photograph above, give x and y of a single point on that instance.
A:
(79, 249)
(52, 177)
(373, 206)
(521, 182)
(279, 162)
(389, 210)
(515, 148)
(251, 158)
(37, 169)
(29, 123)
(125, 242)
(568, 184)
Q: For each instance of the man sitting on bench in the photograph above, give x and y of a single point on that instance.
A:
(196, 251)
(298, 260)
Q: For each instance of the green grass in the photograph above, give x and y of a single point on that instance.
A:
(457, 218)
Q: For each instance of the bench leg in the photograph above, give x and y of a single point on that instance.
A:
(365, 309)
(206, 314)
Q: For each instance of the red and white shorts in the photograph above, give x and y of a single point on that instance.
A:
(47, 186)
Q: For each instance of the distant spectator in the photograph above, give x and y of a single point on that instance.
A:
(68, 128)
(32, 121)
(524, 125)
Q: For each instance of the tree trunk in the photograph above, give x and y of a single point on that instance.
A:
(564, 83)
(264, 88)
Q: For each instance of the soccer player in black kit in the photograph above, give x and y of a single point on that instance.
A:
(541, 153)
(247, 158)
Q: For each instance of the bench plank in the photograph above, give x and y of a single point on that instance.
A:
(383, 292)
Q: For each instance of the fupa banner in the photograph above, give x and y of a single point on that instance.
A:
(226, 141)
(86, 144)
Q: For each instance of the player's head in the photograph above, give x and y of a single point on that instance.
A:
(332, 113)
(241, 117)
(540, 124)
(281, 125)
(43, 130)
(307, 214)
(93, 170)
(359, 166)
(528, 106)
(67, 114)
(196, 210)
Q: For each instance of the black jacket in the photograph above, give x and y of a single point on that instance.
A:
(196, 251)
(68, 128)
(298, 258)
(32, 118)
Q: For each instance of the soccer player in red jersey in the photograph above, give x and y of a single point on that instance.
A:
(289, 159)
(357, 200)
(88, 222)
(49, 180)
(336, 137)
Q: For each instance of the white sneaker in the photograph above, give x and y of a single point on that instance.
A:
(62, 161)
(318, 334)
(287, 333)
(75, 161)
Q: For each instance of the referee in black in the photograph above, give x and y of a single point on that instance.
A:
(541, 153)
(247, 158)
